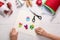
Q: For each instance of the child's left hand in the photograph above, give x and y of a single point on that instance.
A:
(13, 34)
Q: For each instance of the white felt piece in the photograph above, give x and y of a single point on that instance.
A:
(2, 8)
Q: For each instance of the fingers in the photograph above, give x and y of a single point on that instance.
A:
(39, 31)
(13, 32)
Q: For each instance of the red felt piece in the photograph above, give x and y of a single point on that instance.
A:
(9, 5)
(1, 3)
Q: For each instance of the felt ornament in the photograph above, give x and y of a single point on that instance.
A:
(39, 2)
(5, 9)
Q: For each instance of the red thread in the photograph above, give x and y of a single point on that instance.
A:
(53, 4)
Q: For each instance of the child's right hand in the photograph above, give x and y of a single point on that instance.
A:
(40, 31)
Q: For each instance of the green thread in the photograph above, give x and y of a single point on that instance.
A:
(50, 9)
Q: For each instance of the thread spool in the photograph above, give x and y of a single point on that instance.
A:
(52, 5)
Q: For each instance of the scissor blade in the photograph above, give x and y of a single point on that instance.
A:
(32, 12)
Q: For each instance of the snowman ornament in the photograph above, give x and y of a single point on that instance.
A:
(5, 9)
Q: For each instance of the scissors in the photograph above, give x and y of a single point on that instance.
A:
(20, 4)
(39, 17)
(33, 20)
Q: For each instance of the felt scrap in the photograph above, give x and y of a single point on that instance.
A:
(28, 19)
(20, 24)
(1, 3)
(32, 27)
(26, 26)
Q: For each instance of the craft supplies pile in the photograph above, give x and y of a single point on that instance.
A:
(5, 9)
(51, 5)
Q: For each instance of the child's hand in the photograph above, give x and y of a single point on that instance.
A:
(13, 34)
(40, 31)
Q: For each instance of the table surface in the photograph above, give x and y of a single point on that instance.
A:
(20, 14)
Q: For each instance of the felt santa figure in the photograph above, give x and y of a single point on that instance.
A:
(5, 8)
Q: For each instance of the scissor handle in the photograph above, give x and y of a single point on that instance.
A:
(40, 17)
(33, 20)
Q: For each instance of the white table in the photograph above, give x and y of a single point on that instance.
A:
(6, 24)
